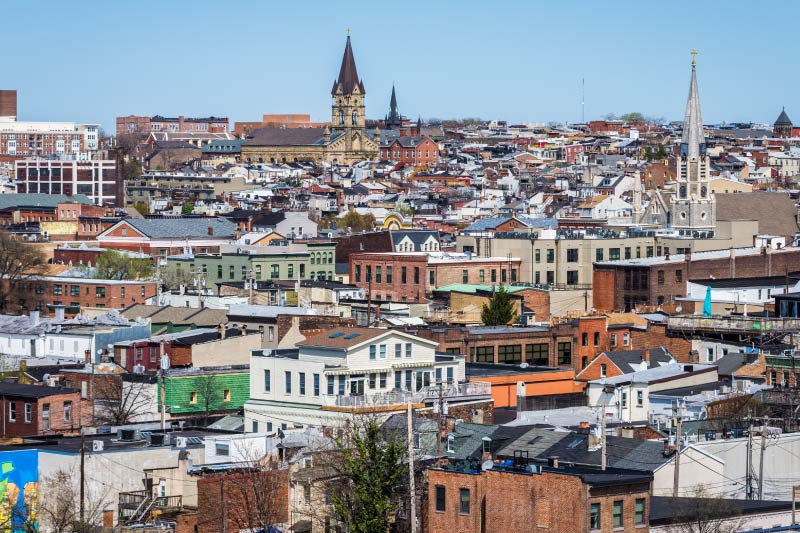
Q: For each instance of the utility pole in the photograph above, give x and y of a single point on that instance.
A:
(677, 472)
(83, 478)
(761, 459)
(749, 474)
(603, 456)
(412, 490)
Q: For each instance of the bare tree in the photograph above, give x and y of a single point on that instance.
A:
(703, 513)
(119, 402)
(209, 393)
(19, 261)
(58, 506)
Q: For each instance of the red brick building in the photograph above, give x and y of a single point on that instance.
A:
(414, 151)
(44, 293)
(8, 103)
(30, 410)
(550, 500)
(412, 276)
(234, 502)
(133, 124)
(660, 281)
(94, 178)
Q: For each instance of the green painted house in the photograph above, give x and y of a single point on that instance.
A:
(197, 391)
(308, 260)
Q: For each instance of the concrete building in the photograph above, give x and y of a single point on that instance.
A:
(95, 178)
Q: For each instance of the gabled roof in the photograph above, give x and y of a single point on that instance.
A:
(418, 237)
(40, 200)
(289, 137)
(346, 338)
(775, 211)
(627, 360)
(348, 74)
(179, 228)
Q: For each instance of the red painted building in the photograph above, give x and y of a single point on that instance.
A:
(414, 151)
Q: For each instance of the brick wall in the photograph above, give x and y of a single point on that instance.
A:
(242, 501)
(603, 283)
(656, 335)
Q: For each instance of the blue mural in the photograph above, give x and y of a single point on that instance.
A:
(19, 489)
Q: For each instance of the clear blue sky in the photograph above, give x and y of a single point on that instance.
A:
(90, 61)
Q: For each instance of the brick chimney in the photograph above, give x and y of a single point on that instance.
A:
(210, 230)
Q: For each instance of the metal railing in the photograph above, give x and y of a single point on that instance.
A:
(452, 390)
(734, 323)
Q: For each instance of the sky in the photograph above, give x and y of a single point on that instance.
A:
(521, 61)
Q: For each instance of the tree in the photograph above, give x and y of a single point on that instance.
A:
(634, 116)
(356, 221)
(187, 208)
(119, 402)
(371, 475)
(142, 208)
(703, 513)
(58, 506)
(112, 264)
(208, 393)
(132, 169)
(19, 261)
(499, 310)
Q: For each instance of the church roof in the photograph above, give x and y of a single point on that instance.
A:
(289, 137)
(783, 119)
(348, 74)
(692, 137)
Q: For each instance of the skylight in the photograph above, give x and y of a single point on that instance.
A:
(334, 335)
(352, 336)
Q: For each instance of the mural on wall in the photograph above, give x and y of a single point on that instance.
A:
(19, 489)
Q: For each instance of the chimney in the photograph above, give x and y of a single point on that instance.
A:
(59, 314)
(210, 230)
(87, 356)
(221, 331)
(552, 461)
(35, 318)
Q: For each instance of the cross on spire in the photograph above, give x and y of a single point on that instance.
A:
(693, 52)
(348, 32)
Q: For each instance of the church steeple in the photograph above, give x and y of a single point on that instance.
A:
(693, 141)
(348, 73)
(393, 119)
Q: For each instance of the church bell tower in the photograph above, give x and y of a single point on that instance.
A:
(347, 110)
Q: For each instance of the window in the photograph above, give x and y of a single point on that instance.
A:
(484, 354)
(603, 369)
(639, 398)
(613, 339)
(403, 275)
(358, 273)
(598, 254)
(551, 255)
(373, 380)
(57, 290)
(449, 374)
(551, 278)
(219, 271)
(12, 411)
(624, 398)
(383, 351)
(432, 278)
(564, 353)
(408, 349)
(28, 413)
(68, 412)
(341, 385)
(660, 277)
(226, 395)
(274, 272)
(193, 397)
(536, 354)
(679, 276)
(481, 275)
(594, 516)
(584, 339)
(302, 376)
(639, 511)
(511, 353)
(100, 292)
(494, 276)
(222, 448)
(316, 384)
(617, 513)
(398, 350)
(416, 275)
(440, 499)
(398, 380)
(74, 290)
(613, 254)
(287, 385)
(626, 339)
(538, 255)
(465, 276)
(377, 274)
(372, 351)
(627, 252)
(231, 272)
(572, 255)
(383, 380)
(46, 416)
(463, 506)
(267, 380)
(572, 277)
(597, 338)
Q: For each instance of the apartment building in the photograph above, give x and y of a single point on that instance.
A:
(21, 139)
(94, 178)
(133, 124)
(343, 371)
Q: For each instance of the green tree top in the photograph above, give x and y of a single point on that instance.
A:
(499, 310)
(112, 264)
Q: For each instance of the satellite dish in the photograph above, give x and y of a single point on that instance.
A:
(679, 309)
(523, 365)
(487, 465)
(164, 362)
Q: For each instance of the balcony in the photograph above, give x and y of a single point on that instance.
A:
(137, 506)
(397, 399)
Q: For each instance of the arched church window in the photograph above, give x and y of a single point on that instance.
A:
(341, 117)
(354, 118)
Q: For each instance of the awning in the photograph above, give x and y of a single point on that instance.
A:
(413, 364)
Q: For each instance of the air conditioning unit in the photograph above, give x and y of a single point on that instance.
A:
(97, 445)
(180, 442)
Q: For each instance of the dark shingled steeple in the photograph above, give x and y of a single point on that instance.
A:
(783, 119)
(348, 74)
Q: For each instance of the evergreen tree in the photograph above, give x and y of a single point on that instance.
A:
(499, 311)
